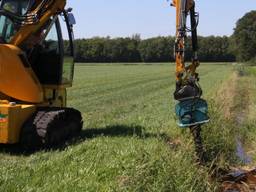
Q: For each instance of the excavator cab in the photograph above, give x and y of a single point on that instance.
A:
(50, 55)
(49, 50)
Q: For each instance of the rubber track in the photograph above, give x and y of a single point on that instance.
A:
(49, 127)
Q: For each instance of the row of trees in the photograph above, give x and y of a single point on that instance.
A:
(241, 46)
(159, 49)
(244, 38)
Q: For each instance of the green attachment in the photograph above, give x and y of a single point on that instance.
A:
(192, 112)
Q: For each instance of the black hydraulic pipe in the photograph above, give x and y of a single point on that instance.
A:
(193, 29)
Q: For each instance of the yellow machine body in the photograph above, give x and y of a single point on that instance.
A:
(22, 91)
(12, 117)
(18, 81)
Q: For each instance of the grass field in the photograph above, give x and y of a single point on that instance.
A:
(130, 140)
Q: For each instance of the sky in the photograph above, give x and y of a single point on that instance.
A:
(150, 18)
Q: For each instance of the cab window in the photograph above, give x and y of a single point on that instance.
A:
(17, 7)
(68, 60)
(6, 29)
(49, 57)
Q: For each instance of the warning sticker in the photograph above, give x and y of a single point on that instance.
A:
(3, 118)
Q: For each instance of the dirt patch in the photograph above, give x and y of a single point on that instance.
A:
(240, 181)
(174, 144)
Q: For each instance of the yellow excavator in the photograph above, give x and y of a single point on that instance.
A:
(36, 68)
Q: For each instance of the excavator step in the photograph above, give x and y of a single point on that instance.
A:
(192, 112)
(49, 127)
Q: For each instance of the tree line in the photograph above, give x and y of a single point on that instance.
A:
(241, 46)
(158, 49)
(244, 38)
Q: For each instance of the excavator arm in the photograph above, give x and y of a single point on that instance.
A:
(191, 109)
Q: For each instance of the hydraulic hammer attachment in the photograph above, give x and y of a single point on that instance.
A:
(191, 110)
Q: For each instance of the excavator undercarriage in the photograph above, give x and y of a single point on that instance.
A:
(49, 127)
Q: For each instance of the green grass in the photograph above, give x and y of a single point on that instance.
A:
(248, 81)
(130, 140)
